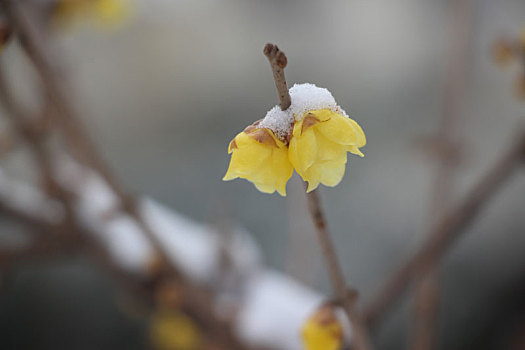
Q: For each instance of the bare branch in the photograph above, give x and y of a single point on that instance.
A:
(448, 229)
(278, 62)
(347, 296)
(34, 44)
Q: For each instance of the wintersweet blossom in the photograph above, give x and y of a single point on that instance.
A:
(260, 157)
(313, 136)
(319, 145)
(322, 330)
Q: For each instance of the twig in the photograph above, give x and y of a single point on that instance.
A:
(423, 330)
(425, 312)
(346, 295)
(448, 229)
(76, 137)
(278, 62)
(52, 243)
(33, 40)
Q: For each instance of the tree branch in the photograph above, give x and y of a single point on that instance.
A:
(35, 45)
(278, 62)
(346, 295)
(448, 230)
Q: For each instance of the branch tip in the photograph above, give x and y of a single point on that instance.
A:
(278, 62)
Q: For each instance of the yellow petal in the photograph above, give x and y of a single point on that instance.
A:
(361, 138)
(265, 187)
(355, 150)
(312, 185)
(283, 170)
(319, 146)
(303, 150)
(329, 173)
(247, 157)
(260, 159)
(327, 149)
(339, 129)
(333, 173)
(274, 173)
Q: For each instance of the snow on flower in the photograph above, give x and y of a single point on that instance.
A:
(312, 136)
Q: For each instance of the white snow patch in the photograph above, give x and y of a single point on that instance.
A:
(278, 121)
(308, 97)
(305, 97)
(274, 310)
(272, 306)
(28, 199)
(193, 246)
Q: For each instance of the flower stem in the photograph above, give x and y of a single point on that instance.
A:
(346, 296)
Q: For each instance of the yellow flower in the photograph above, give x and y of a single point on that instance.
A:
(171, 329)
(503, 52)
(319, 145)
(101, 12)
(322, 331)
(110, 11)
(313, 135)
(260, 157)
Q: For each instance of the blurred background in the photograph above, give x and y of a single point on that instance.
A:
(163, 94)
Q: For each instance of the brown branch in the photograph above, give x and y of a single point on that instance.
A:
(55, 238)
(345, 294)
(425, 312)
(424, 326)
(278, 62)
(34, 44)
(52, 243)
(347, 298)
(32, 37)
(448, 230)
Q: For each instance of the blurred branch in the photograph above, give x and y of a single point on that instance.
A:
(32, 37)
(448, 229)
(425, 313)
(35, 45)
(345, 295)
